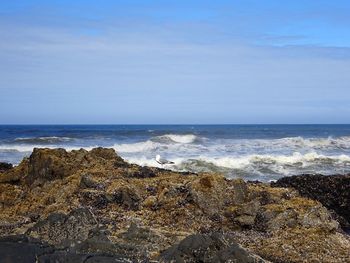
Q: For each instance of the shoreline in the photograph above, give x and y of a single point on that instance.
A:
(127, 212)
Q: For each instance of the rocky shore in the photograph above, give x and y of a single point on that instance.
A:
(92, 206)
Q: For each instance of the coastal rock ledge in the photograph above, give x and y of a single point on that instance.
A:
(92, 206)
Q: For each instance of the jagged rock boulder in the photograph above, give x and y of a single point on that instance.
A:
(47, 164)
(332, 191)
(245, 214)
(211, 193)
(128, 197)
(139, 242)
(87, 181)
(51, 164)
(59, 228)
(208, 248)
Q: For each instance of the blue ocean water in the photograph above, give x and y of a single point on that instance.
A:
(263, 152)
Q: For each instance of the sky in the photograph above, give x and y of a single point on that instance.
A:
(174, 62)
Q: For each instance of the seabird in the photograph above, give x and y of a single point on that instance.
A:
(162, 161)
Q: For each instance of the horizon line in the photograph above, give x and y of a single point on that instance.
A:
(161, 124)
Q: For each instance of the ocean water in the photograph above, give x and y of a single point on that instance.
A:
(253, 152)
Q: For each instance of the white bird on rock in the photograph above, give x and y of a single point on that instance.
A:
(162, 161)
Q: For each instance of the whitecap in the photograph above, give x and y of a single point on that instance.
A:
(176, 138)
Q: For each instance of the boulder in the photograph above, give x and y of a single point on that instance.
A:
(245, 214)
(24, 249)
(59, 228)
(212, 193)
(139, 242)
(105, 153)
(52, 164)
(127, 197)
(213, 247)
(87, 181)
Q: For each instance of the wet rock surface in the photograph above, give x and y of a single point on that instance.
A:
(214, 247)
(92, 206)
(59, 228)
(332, 191)
(24, 249)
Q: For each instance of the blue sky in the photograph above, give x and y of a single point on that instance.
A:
(174, 61)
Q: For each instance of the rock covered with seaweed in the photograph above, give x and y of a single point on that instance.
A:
(92, 205)
(332, 191)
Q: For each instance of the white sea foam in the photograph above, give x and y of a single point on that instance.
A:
(153, 146)
(257, 165)
(281, 145)
(294, 159)
(137, 147)
(177, 138)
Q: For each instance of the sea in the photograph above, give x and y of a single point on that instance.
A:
(252, 152)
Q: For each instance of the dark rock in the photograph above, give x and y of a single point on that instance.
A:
(58, 227)
(86, 181)
(24, 249)
(208, 248)
(97, 242)
(96, 199)
(49, 164)
(141, 172)
(105, 153)
(332, 191)
(137, 242)
(52, 164)
(5, 167)
(127, 197)
(245, 214)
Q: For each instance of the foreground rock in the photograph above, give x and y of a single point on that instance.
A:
(92, 204)
(24, 249)
(332, 191)
(209, 248)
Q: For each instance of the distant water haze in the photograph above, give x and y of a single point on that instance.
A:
(254, 152)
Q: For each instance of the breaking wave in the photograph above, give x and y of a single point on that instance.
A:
(261, 167)
(292, 143)
(176, 138)
(261, 159)
(169, 142)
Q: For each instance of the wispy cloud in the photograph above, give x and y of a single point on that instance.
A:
(206, 67)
